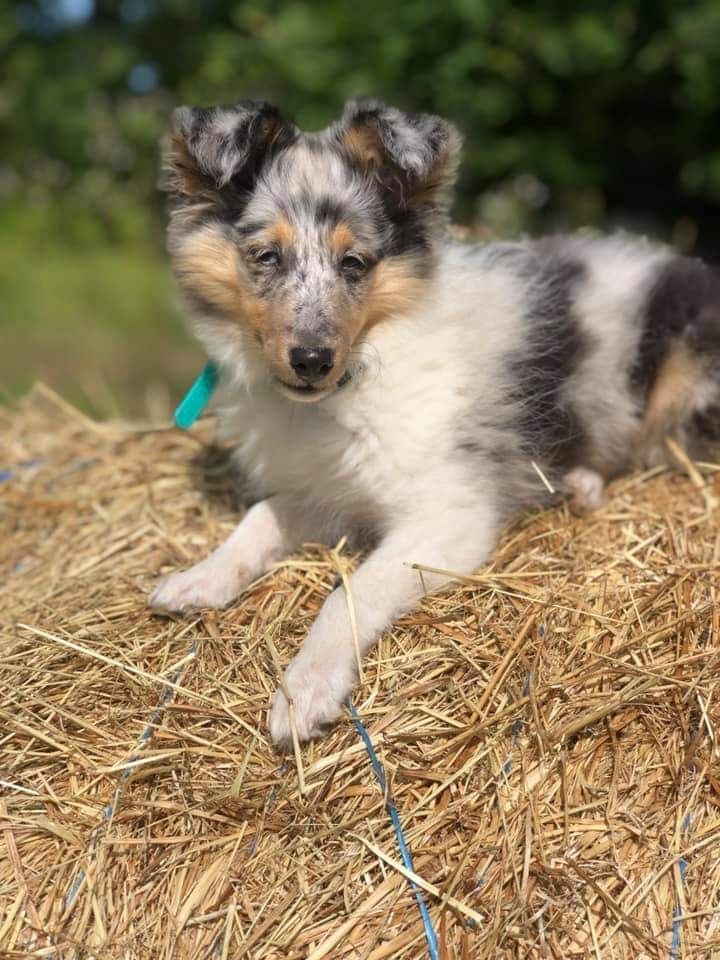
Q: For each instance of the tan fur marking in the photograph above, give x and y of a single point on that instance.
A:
(671, 402)
(180, 170)
(396, 286)
(341, 238)
(207, 265)
(672, 394)
(440, 177)
(282, 233)
(363, 143)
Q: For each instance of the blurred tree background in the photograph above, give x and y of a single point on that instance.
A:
(600, 113)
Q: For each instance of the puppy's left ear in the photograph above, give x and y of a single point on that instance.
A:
(414, 155)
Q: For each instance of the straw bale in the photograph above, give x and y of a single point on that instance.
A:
(549, 728)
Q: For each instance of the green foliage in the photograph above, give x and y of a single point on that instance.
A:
(606, 99)
(600, 112)
(100, 324)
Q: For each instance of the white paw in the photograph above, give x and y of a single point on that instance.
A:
(586, 488)
(207, 584)
(318, 693)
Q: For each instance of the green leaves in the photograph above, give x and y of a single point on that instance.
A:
(618, 99)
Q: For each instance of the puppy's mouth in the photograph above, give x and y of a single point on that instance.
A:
(307, 392)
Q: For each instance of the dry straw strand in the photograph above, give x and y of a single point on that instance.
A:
(548, 725)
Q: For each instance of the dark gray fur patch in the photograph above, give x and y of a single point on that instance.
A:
(247, 228)
(327, 210)
(551, 429)
(707, 424)
(410, 233)
(230, 144)
(492, 444)
(683, 304)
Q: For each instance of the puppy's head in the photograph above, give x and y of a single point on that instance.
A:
(291, 246)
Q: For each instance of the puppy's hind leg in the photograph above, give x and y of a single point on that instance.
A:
(268, 531)
(586, 489)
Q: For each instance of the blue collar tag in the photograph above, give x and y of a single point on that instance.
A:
(197, 397)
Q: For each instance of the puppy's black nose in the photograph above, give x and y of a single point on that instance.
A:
(311, 364)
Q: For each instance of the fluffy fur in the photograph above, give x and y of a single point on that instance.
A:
(457, 375)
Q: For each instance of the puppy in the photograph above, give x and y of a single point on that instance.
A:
(384, 382)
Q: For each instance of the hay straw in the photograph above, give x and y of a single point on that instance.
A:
(548, 728)
(341, 567)
(418, 881)
(545, 482)
(291, 714)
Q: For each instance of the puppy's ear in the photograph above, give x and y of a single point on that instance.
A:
(212, 148)
(414, 155)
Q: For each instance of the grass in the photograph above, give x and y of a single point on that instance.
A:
(101, 325)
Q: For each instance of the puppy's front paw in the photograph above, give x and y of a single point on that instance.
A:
(318, 694)
(208, 584)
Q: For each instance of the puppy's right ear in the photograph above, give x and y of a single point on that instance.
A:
(209, 149)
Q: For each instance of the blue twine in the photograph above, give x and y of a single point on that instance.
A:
(430, 935)
(108, 811)
(8, 474)
(677, 914)
(518, 725)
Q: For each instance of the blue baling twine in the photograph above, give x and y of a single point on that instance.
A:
(677, 915)
(430, 935)
(517, 726)
(109, 811)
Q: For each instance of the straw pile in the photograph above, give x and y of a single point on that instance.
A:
(548, 729)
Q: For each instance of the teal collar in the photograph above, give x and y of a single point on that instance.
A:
(197, 397)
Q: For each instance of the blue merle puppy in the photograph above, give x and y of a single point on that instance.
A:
(383, 381)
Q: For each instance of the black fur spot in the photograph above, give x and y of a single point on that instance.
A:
(707, 424)
(409, 232)
(550, 428)
(327, 211)
(199, 304)
(250, 227)
(683, 304)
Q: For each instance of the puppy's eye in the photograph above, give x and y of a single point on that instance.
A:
(353, 264)
(267, 258)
